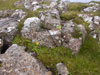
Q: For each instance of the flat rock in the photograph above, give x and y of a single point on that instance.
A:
(18, 62)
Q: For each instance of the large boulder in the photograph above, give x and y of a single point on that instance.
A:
(8, 26)
(68, 40)
(49, 38)
(8, 29)
(18, 62)
(31, 25)
(61, 5)
(32, 30)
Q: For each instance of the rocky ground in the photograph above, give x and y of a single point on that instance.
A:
(39, 37)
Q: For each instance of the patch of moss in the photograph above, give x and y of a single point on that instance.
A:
(69, 15)
(23, 42)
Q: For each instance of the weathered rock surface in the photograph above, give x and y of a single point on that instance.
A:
(62, 69)
(68, 40)
(50, 19)
(93, 7)
(8, 26)
(32, 29)
(32, 5)
(6, 13)
(19, 3)
(18, 62)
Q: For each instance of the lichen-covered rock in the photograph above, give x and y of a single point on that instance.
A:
(6, 13)
(19, 3)
(50, 18)
(63, 6)
(32, 30)
(31, 25)
(49, 38)
(8, 29)
(62, 69)
(32, 5)
(74, 44)
(8, 26)
(93, 7)
(68, 40)
(18, 14)
(18, 62)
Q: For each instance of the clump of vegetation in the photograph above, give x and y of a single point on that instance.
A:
(58, 26)
(78, 20)
(24, 42)
(69, 15)
(77, 33)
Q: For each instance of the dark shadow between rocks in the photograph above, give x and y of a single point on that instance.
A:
(4, 48)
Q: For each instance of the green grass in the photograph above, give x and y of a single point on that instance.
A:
(5, 4)
(69, 15)
(77, 6)
(85, 63)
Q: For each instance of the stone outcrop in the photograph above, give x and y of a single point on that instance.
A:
(93, 7)
(8, 26)
(32, 5)
(32, 29)
(18, 62)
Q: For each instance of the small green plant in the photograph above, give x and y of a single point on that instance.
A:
(58, 26)
(36, 48)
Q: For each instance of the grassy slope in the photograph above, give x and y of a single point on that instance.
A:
(85, 63)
